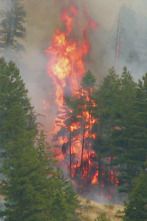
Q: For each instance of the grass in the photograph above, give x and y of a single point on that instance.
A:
(92, 211)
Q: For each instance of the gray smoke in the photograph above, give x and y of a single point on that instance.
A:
(43, 17)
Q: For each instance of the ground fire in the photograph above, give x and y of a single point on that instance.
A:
(66, 67)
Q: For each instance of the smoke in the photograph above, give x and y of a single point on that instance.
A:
(43, 17)
(3, 5)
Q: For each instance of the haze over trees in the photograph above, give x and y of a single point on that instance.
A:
(12, 26)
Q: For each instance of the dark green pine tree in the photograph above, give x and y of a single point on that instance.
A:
(114, 98)
(12, 26)
(16, 112)
(130, 142)
(58, 207)
(30, 181)
(23, 168)
(107, 98)
(136, 208)
(65, 200)
(107, 111)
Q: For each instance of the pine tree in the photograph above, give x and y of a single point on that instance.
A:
(12, 26)
(65, 200)
(26, 187)
(30, 181)
(130, 142)
(34, 189)
(14, 104)
(136, 209)
(24, 167)
(115, 101)
(107, 111)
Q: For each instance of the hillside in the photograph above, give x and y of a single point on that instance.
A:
(90, 210)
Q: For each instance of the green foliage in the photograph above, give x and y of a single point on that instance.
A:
(64, 201)
(33, 188)
(102, 217)
(26, 187)
(121, 112)
(14, 104)
(58, 208)
(136, 208)
(12, 26)
(130, 142)
(107, 99)
(88, 80)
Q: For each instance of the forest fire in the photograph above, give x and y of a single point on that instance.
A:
(66, 67)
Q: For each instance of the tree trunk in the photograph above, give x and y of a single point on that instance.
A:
(70, 163)
(83, 141)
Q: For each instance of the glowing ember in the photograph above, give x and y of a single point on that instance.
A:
(95, 178)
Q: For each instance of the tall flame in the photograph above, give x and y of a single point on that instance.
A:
(66, 67)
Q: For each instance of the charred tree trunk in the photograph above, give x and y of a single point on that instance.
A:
(83, 141)
(100, 175)
(70, 161)
(110, 168)
(100, 171)
(100, 130)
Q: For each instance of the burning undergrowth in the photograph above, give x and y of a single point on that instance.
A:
(75, 121)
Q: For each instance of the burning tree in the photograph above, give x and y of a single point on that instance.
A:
(75, 126)
(66, 67)
(80, 130)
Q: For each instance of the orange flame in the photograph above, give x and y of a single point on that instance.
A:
(66, 63)
(95, 178)
(66, 67)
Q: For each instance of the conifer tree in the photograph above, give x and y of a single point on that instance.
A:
(12, 26)
(16, 112)
(136, 209)
(107, 111)
(27, 187)
(30, 181)
(130, 142)
(115, 100)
